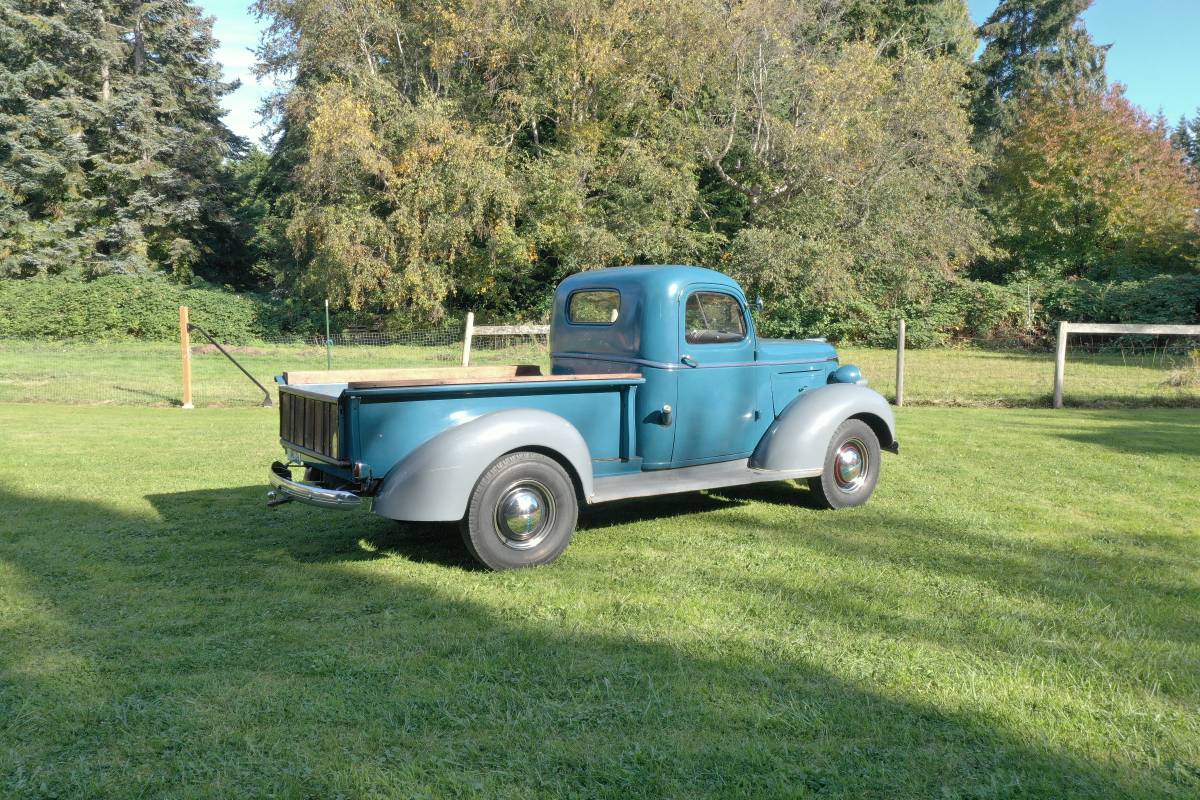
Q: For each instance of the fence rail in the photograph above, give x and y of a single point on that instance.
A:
(1065, 329)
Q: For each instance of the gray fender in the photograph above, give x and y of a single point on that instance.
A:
(799, 436)
(434, 482)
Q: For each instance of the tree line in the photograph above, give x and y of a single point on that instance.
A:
(850, 160)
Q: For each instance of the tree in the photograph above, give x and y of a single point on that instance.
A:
(474, 152)
(941, 27)
(1090, 180)
(1032, 45)
(858, 192)
(114, 149)
(52, 69)
(1185, 137)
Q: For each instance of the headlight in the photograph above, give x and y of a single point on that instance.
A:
(847, 373)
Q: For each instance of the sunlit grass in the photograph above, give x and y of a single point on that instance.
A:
(1015, 614)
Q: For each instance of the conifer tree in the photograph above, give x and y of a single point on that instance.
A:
(933, 26)
(1185, 137)
(1033, 45)
(51, 64)
(112, 147)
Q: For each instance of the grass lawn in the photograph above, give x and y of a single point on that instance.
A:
(1015, 614)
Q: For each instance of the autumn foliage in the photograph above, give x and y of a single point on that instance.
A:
(1088, 179)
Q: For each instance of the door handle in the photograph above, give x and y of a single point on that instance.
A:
(689, 361)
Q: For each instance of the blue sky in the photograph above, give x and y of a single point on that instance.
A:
(237, 30)
(1155, 53)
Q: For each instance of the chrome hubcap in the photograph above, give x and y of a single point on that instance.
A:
(851, 466)
(524, 515)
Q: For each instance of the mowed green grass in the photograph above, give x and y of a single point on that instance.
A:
(1015, 614)
(141, 373)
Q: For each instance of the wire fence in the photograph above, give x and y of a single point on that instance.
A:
(1101, 370)
(150, 373)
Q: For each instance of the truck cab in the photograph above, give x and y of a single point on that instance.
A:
(689, 332)
(658, 384)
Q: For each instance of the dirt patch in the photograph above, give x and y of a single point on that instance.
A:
(207, 349)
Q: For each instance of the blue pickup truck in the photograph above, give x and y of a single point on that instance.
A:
(658, 384)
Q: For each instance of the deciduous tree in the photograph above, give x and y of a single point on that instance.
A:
(1089, 179)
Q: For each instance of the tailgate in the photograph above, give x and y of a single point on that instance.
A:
(310, 424)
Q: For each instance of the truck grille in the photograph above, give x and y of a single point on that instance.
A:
(309, 423)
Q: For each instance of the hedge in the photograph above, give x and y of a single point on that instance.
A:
(126, 307)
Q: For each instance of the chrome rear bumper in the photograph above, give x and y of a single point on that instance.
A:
(284, 489)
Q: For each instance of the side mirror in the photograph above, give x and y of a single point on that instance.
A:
(758, 303)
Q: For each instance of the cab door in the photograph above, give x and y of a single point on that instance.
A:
(718, 415)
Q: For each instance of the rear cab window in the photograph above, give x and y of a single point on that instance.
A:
(594, 307)
(713, 318)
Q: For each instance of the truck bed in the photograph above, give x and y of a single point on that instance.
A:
(378, 416)
(332, 382)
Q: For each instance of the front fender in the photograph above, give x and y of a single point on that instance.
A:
(434, 482)
(799, 436)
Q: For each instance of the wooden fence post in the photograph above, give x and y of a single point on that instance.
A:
(468, 333)
(900, 341)
(185, 353)
(1060, 363)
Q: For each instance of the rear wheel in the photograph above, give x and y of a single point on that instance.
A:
(522, 512)
(851, 467)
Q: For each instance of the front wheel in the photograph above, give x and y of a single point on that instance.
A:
(851, 467)
(522, 512)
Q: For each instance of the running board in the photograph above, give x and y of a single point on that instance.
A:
(648, 483)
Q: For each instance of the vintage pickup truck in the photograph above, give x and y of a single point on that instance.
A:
(658, 384)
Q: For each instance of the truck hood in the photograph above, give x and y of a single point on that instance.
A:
(795, 350)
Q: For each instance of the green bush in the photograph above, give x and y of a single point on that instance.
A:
(955, 310)
(126, 307)
(1166, 298)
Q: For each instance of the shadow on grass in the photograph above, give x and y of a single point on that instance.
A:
(1154, 433)
(158, 397)
(220, 648)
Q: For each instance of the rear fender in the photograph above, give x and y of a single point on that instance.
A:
(799, 436)
(434, 482)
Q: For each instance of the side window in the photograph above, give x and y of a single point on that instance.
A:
(712, 317)
(594, 307)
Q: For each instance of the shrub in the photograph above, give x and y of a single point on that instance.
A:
(126, 307)
(1173, 299)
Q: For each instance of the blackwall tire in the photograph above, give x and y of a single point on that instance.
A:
(522, 512)
(851, 469)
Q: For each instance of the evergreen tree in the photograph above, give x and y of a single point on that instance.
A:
(933, 26)
(51, 61)
(113, 148)
(1033, 45)
(1185, 137)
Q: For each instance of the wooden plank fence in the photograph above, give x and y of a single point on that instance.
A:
(1065, 329)
(471, 330)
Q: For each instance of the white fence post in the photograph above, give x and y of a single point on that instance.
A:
(1060, 363)
(468, 334)
(900, 341)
